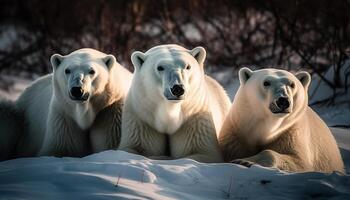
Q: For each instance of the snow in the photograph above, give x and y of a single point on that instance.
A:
(120, 175)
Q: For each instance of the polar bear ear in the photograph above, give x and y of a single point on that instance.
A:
(304, 77)
(244, 74)
(109, 61)
(137, 59)
(199, 54)
(56, 60)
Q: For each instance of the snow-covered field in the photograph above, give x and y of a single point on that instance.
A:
(120, 175)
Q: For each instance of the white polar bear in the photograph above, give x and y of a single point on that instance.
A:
(173, 110)
(271, 124)
(77, 109)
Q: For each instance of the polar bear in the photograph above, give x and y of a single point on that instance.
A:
(77, 109)
(173, 110)
(271, 124)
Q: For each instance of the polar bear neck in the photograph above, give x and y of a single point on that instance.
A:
(168, 117)
(165, 117)
(83, 115)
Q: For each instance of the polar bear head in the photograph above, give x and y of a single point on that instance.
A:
(273, 92)
(168, 72)
(81, 74)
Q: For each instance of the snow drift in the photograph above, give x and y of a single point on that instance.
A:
(121, 175)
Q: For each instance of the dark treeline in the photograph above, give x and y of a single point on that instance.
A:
(312, 34)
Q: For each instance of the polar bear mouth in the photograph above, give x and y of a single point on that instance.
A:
(174, 96)
(277, 110)
(281, 112)
(174, 99)
(281, 105)
(82, 98)
(77, 93)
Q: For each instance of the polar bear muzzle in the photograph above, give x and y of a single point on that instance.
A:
(280, 105)
(282, 102)
(77, 91)
(174, 88)
(177, 90)
(78, 94)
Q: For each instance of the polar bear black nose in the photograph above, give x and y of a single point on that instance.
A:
(283, 103)
(178, 90)
(77, 92)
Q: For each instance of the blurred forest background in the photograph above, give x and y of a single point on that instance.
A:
(292, 34)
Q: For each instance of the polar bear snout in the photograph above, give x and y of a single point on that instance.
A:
(281, 105)
(174, 85)
(78, 94)
(177, 90)
(79, 86)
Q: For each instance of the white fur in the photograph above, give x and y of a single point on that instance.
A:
(62, 127)
(263, 126)
(294, 141)
(168, 117)
(84, 115)
(191, 124)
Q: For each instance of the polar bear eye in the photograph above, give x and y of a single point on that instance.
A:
(92, 72)
(160, 68)
(292, 85)
(188, 67)
(267, 83)
(67, 71)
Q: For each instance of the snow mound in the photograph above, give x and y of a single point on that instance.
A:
(121, 175)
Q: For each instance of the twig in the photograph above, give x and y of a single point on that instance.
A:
(117, 184)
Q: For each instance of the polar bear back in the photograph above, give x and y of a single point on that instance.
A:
(218, 101)
(326, 152)
(34, 102)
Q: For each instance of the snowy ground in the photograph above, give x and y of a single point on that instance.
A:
(120, 175)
